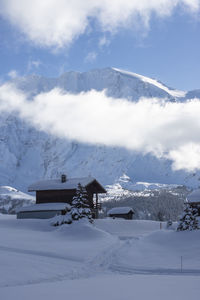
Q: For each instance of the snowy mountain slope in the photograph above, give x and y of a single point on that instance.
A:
(164, 202)
(11, 199)
(192, 94)
(153, 82)
(27, 154)
(118, 83)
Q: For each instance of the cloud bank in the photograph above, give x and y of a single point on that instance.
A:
(165, 129)
(58, 22)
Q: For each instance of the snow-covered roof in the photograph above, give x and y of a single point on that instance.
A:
(56, 184)
(44, 207)
(120, 210)
(194, 196)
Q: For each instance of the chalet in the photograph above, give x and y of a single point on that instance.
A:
(121, 212)
(193, 199)
(53, 195)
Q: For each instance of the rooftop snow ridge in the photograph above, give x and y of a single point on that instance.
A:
(120, 210)
(70, 183)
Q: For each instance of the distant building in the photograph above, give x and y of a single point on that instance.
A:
(121, 212)
(193, 199)
(53, 194)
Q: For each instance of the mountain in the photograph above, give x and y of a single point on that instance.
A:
(28, 154)
(192, 94)
(118, 84)
(11, 199)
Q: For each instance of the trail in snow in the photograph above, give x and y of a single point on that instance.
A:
(41, 253)
(120, 269)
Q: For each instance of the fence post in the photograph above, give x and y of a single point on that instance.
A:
(181, 263)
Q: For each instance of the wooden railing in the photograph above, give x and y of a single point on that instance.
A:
(97, 206)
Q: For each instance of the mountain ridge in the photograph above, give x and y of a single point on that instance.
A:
(76, 82)
(29, 154)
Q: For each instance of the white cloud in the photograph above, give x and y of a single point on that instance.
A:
(33, 64)
(104, 41)
(186, 157)
(13, 74)
(169, 130)
(91, 57)
(58, 22)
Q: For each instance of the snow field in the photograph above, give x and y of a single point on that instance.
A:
(107, 287)
(112, 259)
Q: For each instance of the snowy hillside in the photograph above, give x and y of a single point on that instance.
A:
(28, 154)
(149, 201)
(12, 199)
(113, 259)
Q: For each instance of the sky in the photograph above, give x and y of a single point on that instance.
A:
(155, 38)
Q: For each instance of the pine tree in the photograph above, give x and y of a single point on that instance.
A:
(80, 207)
(61, 219)
(188, 220)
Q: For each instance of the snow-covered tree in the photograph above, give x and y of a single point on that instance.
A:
(79, 209)
(188, 220)
(80, 206)
(61, 219)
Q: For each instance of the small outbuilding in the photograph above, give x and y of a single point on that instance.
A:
(121, 212)
(193, 199)
(42, 211)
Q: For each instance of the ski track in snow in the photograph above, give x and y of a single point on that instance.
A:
(40, 253)
(120, 269)
(75, 272)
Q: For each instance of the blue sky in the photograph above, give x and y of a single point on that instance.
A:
(161, 44)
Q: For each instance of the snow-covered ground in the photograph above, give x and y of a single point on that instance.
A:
(112, 259)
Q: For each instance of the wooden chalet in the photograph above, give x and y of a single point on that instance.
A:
(121, 212)
(62, 191)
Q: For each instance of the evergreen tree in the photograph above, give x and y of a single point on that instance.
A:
(79, 209)
(80, 206)
(188, 220)
(61, 219)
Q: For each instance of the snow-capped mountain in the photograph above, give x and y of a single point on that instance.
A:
(12, 199)
(28, 154)
(118, 84)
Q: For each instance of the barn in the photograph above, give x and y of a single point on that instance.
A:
(121, 212)
(61, 191)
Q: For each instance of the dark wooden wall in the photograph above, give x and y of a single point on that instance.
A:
(127, 216)
(66, 196)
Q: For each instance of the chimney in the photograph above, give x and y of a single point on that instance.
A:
(63, 178)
